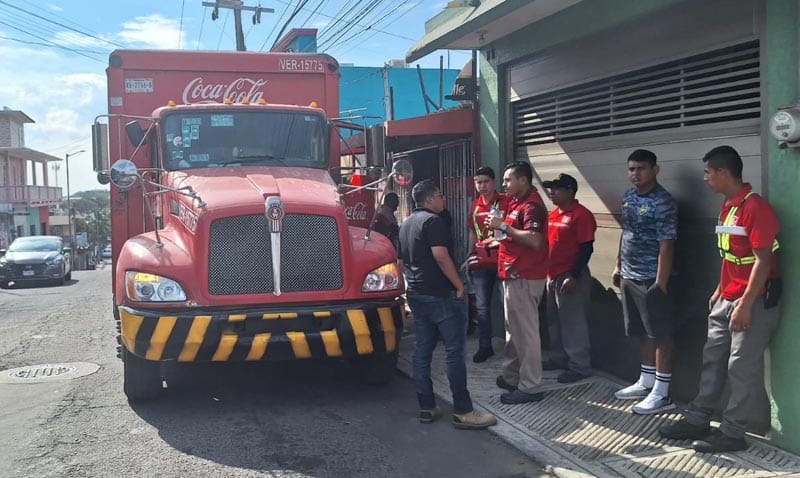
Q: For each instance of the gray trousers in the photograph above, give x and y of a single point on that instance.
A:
(735, 357)
(522, 362)
(566, 322)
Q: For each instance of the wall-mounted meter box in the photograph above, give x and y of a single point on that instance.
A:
(785, 125)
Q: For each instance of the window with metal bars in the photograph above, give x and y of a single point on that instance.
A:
(714, 87)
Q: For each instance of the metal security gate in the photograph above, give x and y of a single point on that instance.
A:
(457, 167)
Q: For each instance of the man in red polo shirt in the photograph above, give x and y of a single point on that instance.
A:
(570, 233)
(744, 310)
(522, 266)
(481, 263)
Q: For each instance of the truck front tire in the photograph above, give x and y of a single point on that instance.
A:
(142, 377)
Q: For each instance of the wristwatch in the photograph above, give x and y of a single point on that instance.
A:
(504, 227)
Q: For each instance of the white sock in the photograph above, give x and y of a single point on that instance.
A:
(661, 388)
(647, 376)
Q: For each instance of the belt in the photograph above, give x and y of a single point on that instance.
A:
(647, 282)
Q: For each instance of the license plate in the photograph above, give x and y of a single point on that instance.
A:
(28, 273)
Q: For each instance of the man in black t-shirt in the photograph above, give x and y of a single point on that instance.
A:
(435, 294)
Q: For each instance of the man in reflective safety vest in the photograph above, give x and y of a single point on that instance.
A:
(744, 310)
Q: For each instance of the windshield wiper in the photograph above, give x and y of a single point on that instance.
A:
(248, 159)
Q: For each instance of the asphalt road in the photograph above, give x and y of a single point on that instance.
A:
(268, 420)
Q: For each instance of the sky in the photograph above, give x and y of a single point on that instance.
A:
(54, 53)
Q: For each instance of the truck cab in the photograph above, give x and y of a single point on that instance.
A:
(230, 236)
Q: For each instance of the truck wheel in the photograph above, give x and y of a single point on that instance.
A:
(142, 377)
(377, 369)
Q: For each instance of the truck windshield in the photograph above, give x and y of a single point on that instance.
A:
(209, 139)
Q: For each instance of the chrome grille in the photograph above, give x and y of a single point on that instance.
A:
(240, 260)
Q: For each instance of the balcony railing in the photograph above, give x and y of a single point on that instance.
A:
(30, 195)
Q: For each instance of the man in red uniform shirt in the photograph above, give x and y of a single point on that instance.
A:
(522, 266)
(481, 261)
(570, 234)
(744, 310)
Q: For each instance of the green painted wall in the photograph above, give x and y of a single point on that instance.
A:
(780, 69)
(491, 146)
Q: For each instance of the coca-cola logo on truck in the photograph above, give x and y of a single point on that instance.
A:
(356, 212)
(198, 91)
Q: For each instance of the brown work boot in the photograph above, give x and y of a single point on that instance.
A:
(474, 420)
(430, 415)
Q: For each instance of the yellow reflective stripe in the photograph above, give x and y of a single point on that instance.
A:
(237, 317)
(281, 315)
(331, 341)
(322, 314)
(130, 327)
(160, 336)
(299, 344)
(259, 347)
(225, 347)
(387, 324)
(358, 322)
(194, 338)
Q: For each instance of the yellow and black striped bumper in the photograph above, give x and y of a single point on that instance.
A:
(342, 331)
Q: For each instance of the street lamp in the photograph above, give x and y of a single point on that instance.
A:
(69, 214)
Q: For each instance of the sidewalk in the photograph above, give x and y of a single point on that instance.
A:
(581, 430)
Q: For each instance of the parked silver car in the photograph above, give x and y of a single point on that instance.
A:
(35, 258)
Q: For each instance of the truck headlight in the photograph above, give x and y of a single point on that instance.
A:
(143, 287)
(385, 277)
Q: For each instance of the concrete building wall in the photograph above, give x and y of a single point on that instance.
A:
(5, 132)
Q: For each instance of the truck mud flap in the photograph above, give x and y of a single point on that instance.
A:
(263, 335)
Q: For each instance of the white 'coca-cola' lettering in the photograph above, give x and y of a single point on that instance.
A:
(198, 92)
(356, 212)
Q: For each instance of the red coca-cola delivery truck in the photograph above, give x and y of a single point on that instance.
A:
(230, 234)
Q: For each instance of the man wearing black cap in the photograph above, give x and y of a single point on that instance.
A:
(570, 234)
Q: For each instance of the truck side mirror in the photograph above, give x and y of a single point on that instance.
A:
(100, 147)
(123, 174)
(402, 173)
(376, 145)
(135, 133)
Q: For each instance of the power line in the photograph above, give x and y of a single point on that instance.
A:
(285, 9)
(202, 23)
(299, 6)
(335, 37)
(362, 31)
(331, 26)
(50, 45)
(319, 5)
(56, 45)
(222, 28)
(61, 24)
(374, 32)
(362, 26)
(180, 29)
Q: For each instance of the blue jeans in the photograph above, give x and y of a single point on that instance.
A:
(445, 317)
(484, 283)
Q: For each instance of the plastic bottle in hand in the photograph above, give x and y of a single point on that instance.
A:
(495, 212)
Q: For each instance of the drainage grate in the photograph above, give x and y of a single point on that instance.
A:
(48, 372)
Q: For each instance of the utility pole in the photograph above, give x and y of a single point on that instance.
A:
(237, 6)
(69, 214)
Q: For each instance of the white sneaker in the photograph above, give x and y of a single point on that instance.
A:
(632, 392)
(653, 404)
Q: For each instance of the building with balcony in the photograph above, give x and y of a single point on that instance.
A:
(25, 197)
